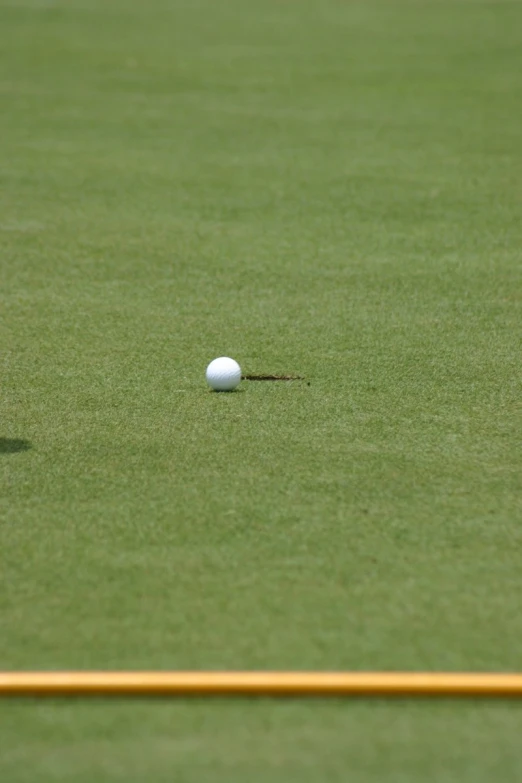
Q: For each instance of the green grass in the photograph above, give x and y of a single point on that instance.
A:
(324, 188)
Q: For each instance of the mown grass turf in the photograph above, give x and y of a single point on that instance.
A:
(324, 189)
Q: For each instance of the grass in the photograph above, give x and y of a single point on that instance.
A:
(325, 189)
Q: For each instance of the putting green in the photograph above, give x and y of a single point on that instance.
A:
(320, 189)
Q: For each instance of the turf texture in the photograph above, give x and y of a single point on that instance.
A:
(318, 188)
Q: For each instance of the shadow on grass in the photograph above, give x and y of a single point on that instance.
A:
(225, 391)
(13, 445)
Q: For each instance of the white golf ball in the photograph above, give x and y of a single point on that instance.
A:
(223, 374)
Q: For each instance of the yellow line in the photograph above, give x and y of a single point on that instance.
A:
(186, 683)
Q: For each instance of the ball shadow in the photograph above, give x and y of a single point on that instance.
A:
(13, 445)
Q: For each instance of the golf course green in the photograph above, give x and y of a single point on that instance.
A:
(328, 189)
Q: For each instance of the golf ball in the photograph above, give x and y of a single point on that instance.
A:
(223, 374)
